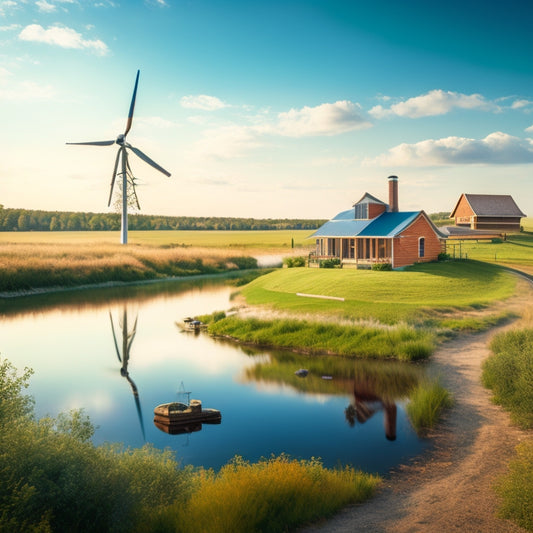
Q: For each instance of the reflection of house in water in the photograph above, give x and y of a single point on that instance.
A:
(366, 403)
(127, 341)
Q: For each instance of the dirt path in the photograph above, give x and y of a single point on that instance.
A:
(450, 488)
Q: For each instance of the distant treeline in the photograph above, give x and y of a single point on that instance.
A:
(31, 220)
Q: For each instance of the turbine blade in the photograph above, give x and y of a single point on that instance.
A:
(146, 159)
(96, 143)
(132, 105)
(113, 178)
(114, 337)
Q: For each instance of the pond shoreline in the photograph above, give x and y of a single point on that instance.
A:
(114, 284)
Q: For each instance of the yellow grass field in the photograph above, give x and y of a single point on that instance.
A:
(266, 241)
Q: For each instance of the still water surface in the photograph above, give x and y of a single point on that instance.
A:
(355, 416)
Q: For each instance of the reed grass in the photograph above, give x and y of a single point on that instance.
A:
(401, 342)
(515, 488)
(27, 266)
(272, 495)
(426, 403)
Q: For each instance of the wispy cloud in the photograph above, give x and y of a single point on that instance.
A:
(325, 119)
(436, 102)
(530, 129)
(25, 91)
(228, 142)
(62, 37)
(496, 149)
(203, 102)
(11, 27)
(45, 7)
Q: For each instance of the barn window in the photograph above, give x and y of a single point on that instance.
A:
(421, 246)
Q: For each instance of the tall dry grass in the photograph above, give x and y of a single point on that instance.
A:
(27, 266)
(273, 495)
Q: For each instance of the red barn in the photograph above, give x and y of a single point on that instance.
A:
(376, 232)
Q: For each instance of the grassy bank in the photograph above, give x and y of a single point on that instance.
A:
(30, 266)
(508, 372)
(403, 343)
(374, 314)
(52, 478)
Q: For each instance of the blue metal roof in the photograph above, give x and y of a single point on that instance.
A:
(384, 225)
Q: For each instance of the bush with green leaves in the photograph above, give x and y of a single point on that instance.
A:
(52, 478)
(294, 262)
(381, 266)
(330, 263)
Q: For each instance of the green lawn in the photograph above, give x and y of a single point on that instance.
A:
(516, 250)
(386, 296)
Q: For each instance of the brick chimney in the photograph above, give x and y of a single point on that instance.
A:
(393, 194)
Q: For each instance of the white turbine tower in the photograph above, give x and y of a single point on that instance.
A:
(125, 172)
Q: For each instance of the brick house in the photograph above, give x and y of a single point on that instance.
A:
(376, 232)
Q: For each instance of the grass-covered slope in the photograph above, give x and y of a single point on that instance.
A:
(396, 314)
(387, 297)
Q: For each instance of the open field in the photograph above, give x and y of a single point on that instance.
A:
(264, 241)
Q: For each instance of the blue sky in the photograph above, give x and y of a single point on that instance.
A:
(266, 109)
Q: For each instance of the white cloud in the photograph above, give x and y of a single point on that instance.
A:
(45, 7)
(436, 102)
(11, 27)
(63, 37)
(495, 149)
(26, 91)
(324, 119)
(202, 101)
(519, 104)
(530, 129)
(228, 142)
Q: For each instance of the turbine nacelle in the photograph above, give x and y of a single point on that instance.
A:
(121, 139)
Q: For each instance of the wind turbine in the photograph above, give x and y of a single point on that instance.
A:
(125, 170)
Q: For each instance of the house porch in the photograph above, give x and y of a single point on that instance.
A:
(359, 252)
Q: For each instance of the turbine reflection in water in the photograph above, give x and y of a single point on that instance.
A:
(127, 341)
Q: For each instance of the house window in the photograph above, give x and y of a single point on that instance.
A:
(361, 211)
(421, 246)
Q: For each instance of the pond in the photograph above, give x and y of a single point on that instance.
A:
(117, 353)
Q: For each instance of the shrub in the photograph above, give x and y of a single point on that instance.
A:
(330, 263)
(508, 372)
(292, 262)
(381, 266)
(444, 257)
